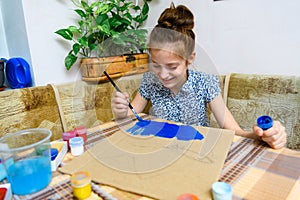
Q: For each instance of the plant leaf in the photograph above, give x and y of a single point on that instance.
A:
(125, 21)
(85, 5)
(93, 47)
(105, 28)
(76, 48)
(124, 7)
(74, 29)
(83, 41)
(145, 9)
(65, 33)
(81, 13)
(104, 9)
(101, 18)
(129, 16)
(70, 60)
(136, 8)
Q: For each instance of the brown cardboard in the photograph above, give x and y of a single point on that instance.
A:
(157, 167)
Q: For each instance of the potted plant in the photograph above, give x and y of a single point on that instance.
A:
(106, 28)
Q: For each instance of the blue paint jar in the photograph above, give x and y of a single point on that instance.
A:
(29, 169)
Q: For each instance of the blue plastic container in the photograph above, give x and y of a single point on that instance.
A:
(18, 73)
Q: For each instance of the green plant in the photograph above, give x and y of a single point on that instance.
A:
(106, 28)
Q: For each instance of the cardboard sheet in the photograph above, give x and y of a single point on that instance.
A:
(156, 167)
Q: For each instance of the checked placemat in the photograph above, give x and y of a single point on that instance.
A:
(254, 170)
(258, 172)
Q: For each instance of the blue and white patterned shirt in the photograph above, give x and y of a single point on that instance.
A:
(189, 106)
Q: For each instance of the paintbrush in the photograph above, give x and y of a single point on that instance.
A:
(118, 89)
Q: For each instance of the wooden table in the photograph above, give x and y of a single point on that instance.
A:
(254, 170)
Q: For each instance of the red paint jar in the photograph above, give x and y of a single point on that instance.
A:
(80, 131)
(67, 136)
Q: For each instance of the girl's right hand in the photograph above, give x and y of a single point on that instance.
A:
(119, 105)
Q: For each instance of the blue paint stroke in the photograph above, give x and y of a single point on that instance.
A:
(165, 130)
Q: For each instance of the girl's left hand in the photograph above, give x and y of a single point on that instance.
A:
(274, 136)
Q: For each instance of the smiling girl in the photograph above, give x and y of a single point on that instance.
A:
(178, 93)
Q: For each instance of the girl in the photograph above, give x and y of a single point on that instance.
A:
(178, 93)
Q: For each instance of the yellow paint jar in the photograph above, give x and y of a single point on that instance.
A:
(81, 184)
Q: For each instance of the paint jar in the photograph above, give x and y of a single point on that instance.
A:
(26, 158)
(222, 191)
(67, 136)
(80, 131)
(81, 184)
(76, 145)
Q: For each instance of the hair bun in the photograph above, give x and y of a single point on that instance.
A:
(178, 18)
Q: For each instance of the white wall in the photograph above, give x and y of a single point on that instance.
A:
(3, 45)
(245, 36)
(48, 50)
(255, 36)
(13, 35)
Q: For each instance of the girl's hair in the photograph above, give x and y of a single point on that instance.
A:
(174, 31)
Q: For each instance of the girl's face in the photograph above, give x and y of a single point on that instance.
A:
(169, 68)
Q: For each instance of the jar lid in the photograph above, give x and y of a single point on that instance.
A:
(81, 178)
(68, 135)
(265, 122)
(53, 153)
(76, 141)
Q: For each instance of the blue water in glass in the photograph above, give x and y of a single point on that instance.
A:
(27, 176)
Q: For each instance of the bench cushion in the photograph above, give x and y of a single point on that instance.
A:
(250, 96)
(33, 107)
